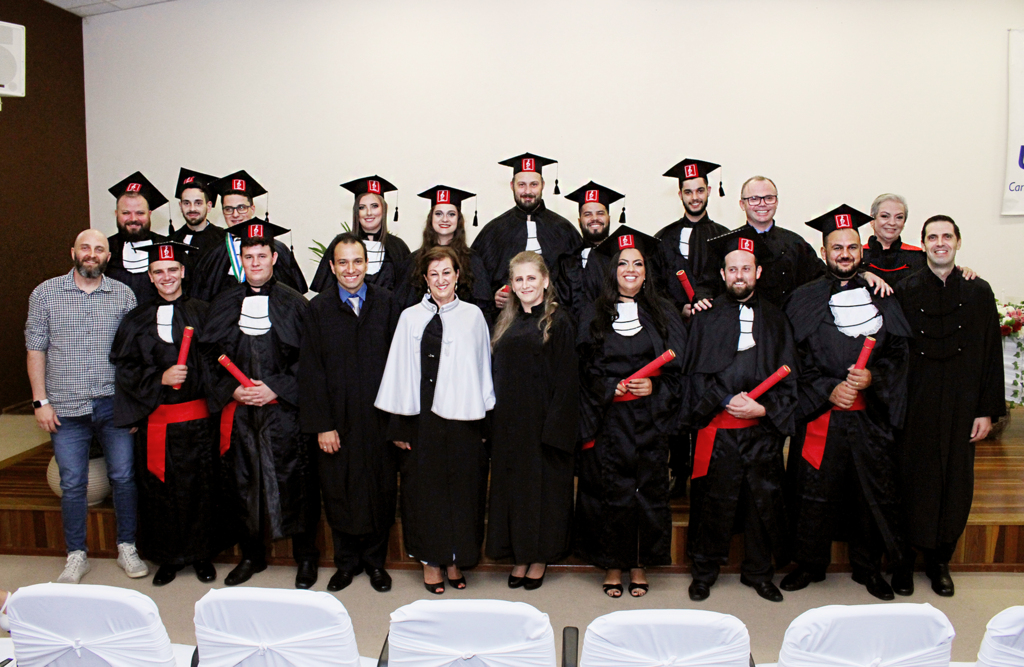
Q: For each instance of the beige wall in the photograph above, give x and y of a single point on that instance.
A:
(836, 101)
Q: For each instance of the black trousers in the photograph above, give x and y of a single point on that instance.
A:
(355, 552)
(757, 555)
(940, 555)
(303, 547)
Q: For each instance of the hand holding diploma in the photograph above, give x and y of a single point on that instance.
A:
(186, 342)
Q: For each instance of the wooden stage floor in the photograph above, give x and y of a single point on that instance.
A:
(993, 542)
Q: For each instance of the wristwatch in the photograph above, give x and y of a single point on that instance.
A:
(39, 404)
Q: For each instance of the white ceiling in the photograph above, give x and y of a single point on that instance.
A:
(93, 7)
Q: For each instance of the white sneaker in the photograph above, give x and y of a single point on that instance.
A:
(76, 568)
(128, 559)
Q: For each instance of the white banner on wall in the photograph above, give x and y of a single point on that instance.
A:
(1013, 185)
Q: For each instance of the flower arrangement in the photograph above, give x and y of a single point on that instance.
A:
(1011, 326)
(1011, 318)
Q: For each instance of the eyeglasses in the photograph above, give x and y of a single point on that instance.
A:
(231, 210)
(767, 199)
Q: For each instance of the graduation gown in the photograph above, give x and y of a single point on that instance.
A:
(857, 480)
(894, 264)
(956, 376)
(534, 422)
(410, 286)
(204, 242)
(132, 268)
(341, 364)
(623, 518)
(746, 457)
(395, 253)
(579, 285)
(214, 275)
(268, 459)
(700, 263)
(178, 519)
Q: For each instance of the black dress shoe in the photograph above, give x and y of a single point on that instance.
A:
(903, 582)
(379, 579)
(800, 578)
(942, 582)
(205, 571)
(339, 580)
(516, 582)
(243, 572)
(306, 575)
(533, 584)
(699, 591)
(875, 584)
(765, 589)
(165, 574)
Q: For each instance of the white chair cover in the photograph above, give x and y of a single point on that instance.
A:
(273, 628)
(1003, 644)
(84, 625)
(666, 638)
(871, 635)
(470, 633)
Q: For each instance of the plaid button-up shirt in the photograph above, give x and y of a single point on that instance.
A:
(76, 329)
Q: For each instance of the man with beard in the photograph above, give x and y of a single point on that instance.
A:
(842, 462)
(529, 225)
(196, 199)
(71, 324)
(177, 461)
(581, 273)
(738, 469)
(685, 241)
(345, 347)
(270, 480)
(136, 199)
(956, 389)
(221, 268)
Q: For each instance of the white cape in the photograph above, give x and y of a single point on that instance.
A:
(464, 390)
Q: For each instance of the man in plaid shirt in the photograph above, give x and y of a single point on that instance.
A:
(71, 324)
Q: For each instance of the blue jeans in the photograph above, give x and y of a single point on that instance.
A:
(71, 449)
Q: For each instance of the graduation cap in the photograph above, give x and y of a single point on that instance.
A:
(527, 162)
(195, 179)
(627, 237)
(374, 185)
(238, 183)
(690, 168)
(745, 238)
(256, 228)
(593, 192)
(842, 217)
(137, 184)
(169, 251)
(442, 194)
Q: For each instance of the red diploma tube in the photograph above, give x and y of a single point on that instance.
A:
(685, 282)
(649, 369)
(186, 341)
(865, 352)
(769, 382)
(239, 375)
(505, 289)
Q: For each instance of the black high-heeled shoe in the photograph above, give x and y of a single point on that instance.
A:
(515, 582)
(532, 584)
(458, 584)
(436, 589)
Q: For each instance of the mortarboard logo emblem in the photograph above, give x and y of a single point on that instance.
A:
(626, 241)
(690, 171)
(134, 187)
(373, 187)
(528, 164)
(591, 196)
(188, 180)
(746, 244)
(444, 196)
(166, 252)
(255, 231)
(843, 221)
(238, 184)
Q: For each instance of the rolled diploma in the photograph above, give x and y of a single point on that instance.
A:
(769, 382)
(685, 282)
(186, 341)
(646, 371)
(239, 375)
(865, 352)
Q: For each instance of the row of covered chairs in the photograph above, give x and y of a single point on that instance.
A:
(98, 626)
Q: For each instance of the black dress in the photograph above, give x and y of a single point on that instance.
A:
(534, 422)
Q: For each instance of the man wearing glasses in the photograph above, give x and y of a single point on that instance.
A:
(222, 267)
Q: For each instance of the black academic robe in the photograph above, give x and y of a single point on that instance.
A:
(178, 519)
(623, 518)
(700, 265)
(268, 459)
(204, 242)
(136, 279)
(534, 422)
(857, 480)
(213, 273)
(894, 264)
(340, 368)
(473, 287)
(749, 458)
(579, 285)
(956, 376)
(395, 253)
(504, 237)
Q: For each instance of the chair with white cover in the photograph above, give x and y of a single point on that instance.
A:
(271, 627)
(90, 626)
(470, 633)
(666, 638)
(1003, 644)
(870, 635)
